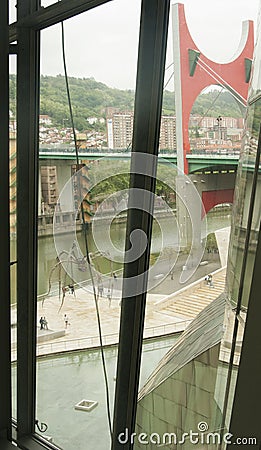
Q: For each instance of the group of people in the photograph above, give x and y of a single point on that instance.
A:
(43, 323)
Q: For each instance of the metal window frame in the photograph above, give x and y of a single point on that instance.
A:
(31, 19)
(51, 15)
(5, 322)
(146, 131)
(28, 62)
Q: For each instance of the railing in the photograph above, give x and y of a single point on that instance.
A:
(230, 151)
(216, 152)
(109, 339)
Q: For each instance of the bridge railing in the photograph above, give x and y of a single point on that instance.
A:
(220, 151)
(106, 151)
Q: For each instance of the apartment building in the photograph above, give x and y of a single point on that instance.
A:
(211, 122)
(120, 128)
(168, 133)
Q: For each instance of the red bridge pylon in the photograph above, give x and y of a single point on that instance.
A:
(193, 72)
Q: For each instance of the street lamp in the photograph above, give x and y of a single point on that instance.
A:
(219, 120)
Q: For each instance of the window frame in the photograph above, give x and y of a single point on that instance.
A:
(26, 31)
(5, 338)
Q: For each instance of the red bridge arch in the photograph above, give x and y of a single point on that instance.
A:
(193, 72)
(214, 198)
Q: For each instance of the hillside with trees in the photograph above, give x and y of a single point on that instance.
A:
(90, 98)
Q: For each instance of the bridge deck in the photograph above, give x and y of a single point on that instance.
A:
(196, 161)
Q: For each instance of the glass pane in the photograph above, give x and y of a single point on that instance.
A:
(82, 379)
(12, 11)
(46, 3)
(245, 228)
(96, 65)
(191, 228)
(186, 392)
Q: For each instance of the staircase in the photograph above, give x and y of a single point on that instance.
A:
(189, 301)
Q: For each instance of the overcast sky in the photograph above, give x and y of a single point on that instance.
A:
(102, 43)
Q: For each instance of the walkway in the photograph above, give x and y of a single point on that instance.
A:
(164, 315)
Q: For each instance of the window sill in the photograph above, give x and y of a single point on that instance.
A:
(6, 445)
(27, 443)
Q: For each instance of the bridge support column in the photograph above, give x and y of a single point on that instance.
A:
(189, 213)
(196, 196)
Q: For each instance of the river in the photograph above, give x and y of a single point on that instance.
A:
(47, 253)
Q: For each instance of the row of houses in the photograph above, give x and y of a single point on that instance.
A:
(204, 130)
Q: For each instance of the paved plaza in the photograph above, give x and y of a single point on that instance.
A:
(164, 315)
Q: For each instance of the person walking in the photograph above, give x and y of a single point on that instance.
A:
(66, 320)
(209, 280)
(100, 289)
(41, 321)
(109, 296)
(45, 323)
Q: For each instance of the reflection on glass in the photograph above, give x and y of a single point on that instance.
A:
(242, 204)
(181, 392)
(66, 379)
(245, 226)
(186, 388)
(192, 388)
(66, 310)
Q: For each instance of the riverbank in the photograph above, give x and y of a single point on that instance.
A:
(66, 222)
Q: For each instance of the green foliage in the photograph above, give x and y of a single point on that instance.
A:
(120, 181)
(215, 103)
(168, 103)
(90, 98)
(12, 94)
(211, 242)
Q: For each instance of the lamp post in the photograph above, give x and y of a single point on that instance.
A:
(219, 120)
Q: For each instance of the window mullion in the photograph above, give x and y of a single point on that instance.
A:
(53, 14)
(27, 199)
(146, 130)
(5, 345)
